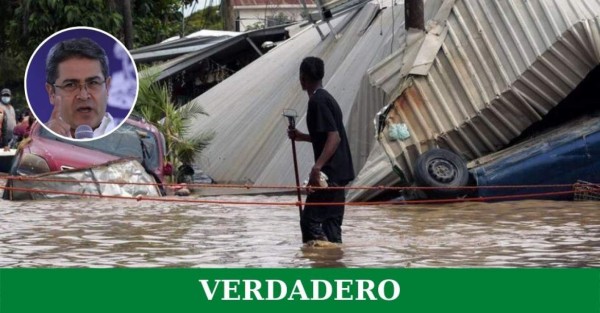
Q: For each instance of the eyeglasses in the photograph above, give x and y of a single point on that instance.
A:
(90, 86)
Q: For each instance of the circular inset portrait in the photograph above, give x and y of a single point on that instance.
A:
(81, 83)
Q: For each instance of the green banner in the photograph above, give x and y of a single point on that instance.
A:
(299, 290)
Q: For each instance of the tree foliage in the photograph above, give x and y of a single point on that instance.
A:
(35, 20)
(208, 18)
(155, 21)
(275, 20)
(155, 105)
(27, 23)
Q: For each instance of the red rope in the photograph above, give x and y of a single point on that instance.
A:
(380, 203)
(246, 186)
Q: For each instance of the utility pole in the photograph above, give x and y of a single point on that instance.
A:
(414, 15)
(227, 15)
(127, 24)
(182, 34)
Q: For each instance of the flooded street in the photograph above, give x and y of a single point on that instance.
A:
(125, 233)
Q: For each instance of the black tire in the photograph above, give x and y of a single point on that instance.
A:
(441, 168)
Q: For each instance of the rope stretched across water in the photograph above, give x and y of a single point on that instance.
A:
(596, 188)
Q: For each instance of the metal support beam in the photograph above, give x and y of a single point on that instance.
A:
(254, 46)
(319, 31)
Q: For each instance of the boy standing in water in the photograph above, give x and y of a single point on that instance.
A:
(332, 156)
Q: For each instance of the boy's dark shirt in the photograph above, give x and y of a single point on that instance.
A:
(324, 115)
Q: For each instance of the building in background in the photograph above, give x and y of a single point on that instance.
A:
(256, 14)
(192, 65)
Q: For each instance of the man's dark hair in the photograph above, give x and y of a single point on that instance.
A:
(74, 48)
(312, 68)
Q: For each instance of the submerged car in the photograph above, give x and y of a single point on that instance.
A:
(550, 165)
(558, 163)
(44, 152)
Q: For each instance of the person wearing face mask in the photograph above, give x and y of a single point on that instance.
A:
(9, 118)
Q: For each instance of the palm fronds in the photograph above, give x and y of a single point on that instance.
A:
(155, 105)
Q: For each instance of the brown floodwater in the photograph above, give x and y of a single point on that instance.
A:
(125, 233)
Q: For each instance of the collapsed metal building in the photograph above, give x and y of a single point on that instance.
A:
(474, 78)
(195, 63)
(483, 75)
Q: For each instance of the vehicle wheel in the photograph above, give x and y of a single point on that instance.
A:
(441, 168)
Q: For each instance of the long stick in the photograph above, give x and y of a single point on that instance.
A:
(296, 173)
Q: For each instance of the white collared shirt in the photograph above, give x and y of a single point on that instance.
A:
(107, 125)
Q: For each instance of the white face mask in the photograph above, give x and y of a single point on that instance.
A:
(6, 99)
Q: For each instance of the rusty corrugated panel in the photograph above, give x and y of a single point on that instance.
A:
(501, 67)
(416, 52)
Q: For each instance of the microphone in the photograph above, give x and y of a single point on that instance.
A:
(84, 132)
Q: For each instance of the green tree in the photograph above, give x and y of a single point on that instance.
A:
(255, 26)
(35, 20)
(27, 23)
(152, 20)
(275, 20)
(155, 105)
(279, 19)
(208, 18)
(156, 20)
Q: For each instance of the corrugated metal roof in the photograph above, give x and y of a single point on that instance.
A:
(182, 53)
(501, 66)
(388, 73)
(245, 110)
(171, 49)
(238, 3)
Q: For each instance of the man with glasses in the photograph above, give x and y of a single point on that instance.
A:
(78, 83)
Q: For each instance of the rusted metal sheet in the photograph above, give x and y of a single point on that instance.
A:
(501, 67)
